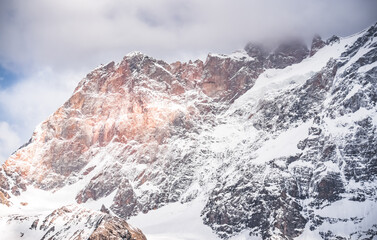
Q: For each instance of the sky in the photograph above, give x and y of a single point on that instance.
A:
(47, 47)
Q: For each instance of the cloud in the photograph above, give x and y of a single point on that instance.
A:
(38, 96)
(9, 141)
(70, 34)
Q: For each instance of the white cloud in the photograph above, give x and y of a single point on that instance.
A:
(72, 34)
(9, 141)
(37, 96)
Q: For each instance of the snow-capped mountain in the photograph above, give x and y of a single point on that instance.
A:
(257, 144)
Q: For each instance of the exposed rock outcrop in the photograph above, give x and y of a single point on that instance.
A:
(317, 43)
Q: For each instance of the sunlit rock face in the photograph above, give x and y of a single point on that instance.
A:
(275, 141)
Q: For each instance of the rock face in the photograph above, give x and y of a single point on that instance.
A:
(317, 44)
(71, 222)
(286, 54)
(277, 142)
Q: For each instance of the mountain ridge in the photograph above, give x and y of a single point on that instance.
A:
(142, 134)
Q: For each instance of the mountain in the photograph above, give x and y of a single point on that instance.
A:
(258, 144)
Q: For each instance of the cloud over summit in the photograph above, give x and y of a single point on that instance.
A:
(69, 34)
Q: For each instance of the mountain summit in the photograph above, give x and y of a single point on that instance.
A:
(256, 144)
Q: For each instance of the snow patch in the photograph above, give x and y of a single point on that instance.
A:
(368, 67)
(175, 221)
(283, 145)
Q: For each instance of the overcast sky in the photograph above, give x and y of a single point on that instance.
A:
(47, 46)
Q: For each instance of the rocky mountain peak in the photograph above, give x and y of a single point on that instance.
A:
(288, 53)
(332, 40)
(285, 54)
(256, 50)
(317, 43)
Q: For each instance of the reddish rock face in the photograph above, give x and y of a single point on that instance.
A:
(116, 228)
(135, 100)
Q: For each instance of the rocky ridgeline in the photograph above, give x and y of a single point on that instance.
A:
(143, 132)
